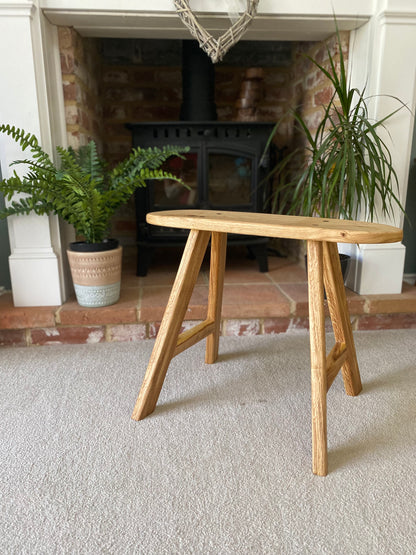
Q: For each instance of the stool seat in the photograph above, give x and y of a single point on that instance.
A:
(324, 272)
(276, 225)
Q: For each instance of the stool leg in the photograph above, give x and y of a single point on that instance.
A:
(318, 357)
(338, 308)
(216, 285)
(171, 323)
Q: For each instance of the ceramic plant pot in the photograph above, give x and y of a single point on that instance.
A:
(96, 274)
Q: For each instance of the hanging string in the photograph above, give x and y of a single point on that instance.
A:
(235, 9)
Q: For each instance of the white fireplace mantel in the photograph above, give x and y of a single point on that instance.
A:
(287, 20)
(31, 97)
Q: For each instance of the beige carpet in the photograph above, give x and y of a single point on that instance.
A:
(222, 466)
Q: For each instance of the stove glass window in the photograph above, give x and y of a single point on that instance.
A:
(169, 193)
(229, 179)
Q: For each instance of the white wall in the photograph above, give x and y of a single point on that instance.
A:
(385, 48)
(34, 265)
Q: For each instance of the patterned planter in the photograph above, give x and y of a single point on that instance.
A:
(96, 276)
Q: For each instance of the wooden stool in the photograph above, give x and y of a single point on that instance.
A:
(324, 270)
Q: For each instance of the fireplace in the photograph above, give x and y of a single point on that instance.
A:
(381, 32)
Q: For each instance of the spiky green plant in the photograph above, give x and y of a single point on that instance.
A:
(345, 167)
(80, 188)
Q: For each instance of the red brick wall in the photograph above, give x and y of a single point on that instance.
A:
(132, 94)
(311, 88)
(100, 99)
(80, 64)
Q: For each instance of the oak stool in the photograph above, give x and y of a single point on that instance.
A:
(324, 271)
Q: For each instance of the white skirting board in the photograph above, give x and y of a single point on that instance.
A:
(375, 269)
(35, 280)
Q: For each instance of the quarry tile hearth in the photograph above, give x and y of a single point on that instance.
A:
(254, 303)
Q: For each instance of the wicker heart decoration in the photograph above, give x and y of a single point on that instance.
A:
(215, 48)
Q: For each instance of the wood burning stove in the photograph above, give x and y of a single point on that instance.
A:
(224, 170)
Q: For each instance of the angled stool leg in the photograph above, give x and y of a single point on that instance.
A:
(338, 308)
(318, 358)
(167, 336)
(216, 286)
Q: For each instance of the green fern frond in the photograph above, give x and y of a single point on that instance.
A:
(140, 159)
(27, 140)
(80, 189)
(24, 139)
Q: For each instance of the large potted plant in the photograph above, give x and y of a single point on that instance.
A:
(344, 168)
(84, 192)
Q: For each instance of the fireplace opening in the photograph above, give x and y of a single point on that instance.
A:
(109, 82)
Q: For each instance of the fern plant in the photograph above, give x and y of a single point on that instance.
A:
(80, 188)
(344, 168)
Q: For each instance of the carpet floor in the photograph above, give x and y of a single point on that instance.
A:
(223, 466)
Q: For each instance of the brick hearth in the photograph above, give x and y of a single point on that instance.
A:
(254, 303)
